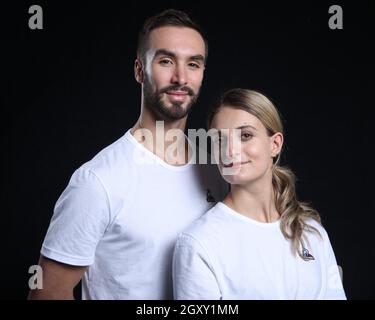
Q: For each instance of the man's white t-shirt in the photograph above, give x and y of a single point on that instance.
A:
(121, 214)
(226, 255)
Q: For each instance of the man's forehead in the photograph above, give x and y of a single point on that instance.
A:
(179, 39)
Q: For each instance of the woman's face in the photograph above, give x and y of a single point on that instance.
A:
(246, 150)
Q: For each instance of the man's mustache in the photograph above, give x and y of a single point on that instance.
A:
(187, 89)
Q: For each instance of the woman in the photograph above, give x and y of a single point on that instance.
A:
(260, 242)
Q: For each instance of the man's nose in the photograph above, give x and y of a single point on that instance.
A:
(179, 75)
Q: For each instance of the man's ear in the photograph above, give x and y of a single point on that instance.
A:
(276, 143)
(138, 71)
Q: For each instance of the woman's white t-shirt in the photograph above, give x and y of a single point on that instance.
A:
(226, 255)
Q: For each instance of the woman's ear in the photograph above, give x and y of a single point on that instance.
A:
(138, 71)
(277, 141)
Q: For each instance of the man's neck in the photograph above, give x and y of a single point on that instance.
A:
(166, 139)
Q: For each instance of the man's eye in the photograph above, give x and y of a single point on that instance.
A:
(165, 62)
(194, 65)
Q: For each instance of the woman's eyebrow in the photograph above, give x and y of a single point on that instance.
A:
(246, 126)
(239, 128)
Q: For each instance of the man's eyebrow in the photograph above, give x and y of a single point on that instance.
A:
(197, 57)
(165, 52)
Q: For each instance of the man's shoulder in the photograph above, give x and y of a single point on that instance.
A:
(111, 164)
(113, 156)
(208, 227)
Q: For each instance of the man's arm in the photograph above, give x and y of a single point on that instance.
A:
(59, 280)
(192, 272)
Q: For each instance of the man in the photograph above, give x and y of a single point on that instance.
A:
(116, 223)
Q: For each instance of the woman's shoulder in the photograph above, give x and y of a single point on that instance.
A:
(314, 224)
(316, 232)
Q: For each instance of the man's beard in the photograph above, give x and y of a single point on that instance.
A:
(176, 111)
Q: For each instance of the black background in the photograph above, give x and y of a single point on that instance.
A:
(69, 91)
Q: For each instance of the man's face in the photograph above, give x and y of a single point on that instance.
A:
(174, 71)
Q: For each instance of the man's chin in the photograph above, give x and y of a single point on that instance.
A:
(176, 112)
(175, 109)
(172, 110)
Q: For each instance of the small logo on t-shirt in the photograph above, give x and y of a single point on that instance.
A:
(209, 197)
(306, 254)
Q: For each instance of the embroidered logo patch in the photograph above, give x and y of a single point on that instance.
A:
(306, 254)
(209, 196)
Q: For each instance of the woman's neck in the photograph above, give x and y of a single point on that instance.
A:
(255, 200)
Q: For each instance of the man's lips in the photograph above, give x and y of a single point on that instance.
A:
(177, 95)
(235, 164)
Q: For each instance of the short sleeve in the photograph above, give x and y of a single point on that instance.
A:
(193, 275)
(81, 216)
(335, 289)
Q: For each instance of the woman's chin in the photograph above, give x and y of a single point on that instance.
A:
(235, 178)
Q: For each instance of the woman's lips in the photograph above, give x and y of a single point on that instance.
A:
(235, 164)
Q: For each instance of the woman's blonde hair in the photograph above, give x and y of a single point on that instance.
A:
(294, 214)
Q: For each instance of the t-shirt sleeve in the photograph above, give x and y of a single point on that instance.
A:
(335, 289)
(81, 216)
(193, 275)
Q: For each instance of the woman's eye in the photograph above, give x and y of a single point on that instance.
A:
(246, 136)
(217, 141)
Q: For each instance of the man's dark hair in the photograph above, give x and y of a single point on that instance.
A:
(170, 17)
